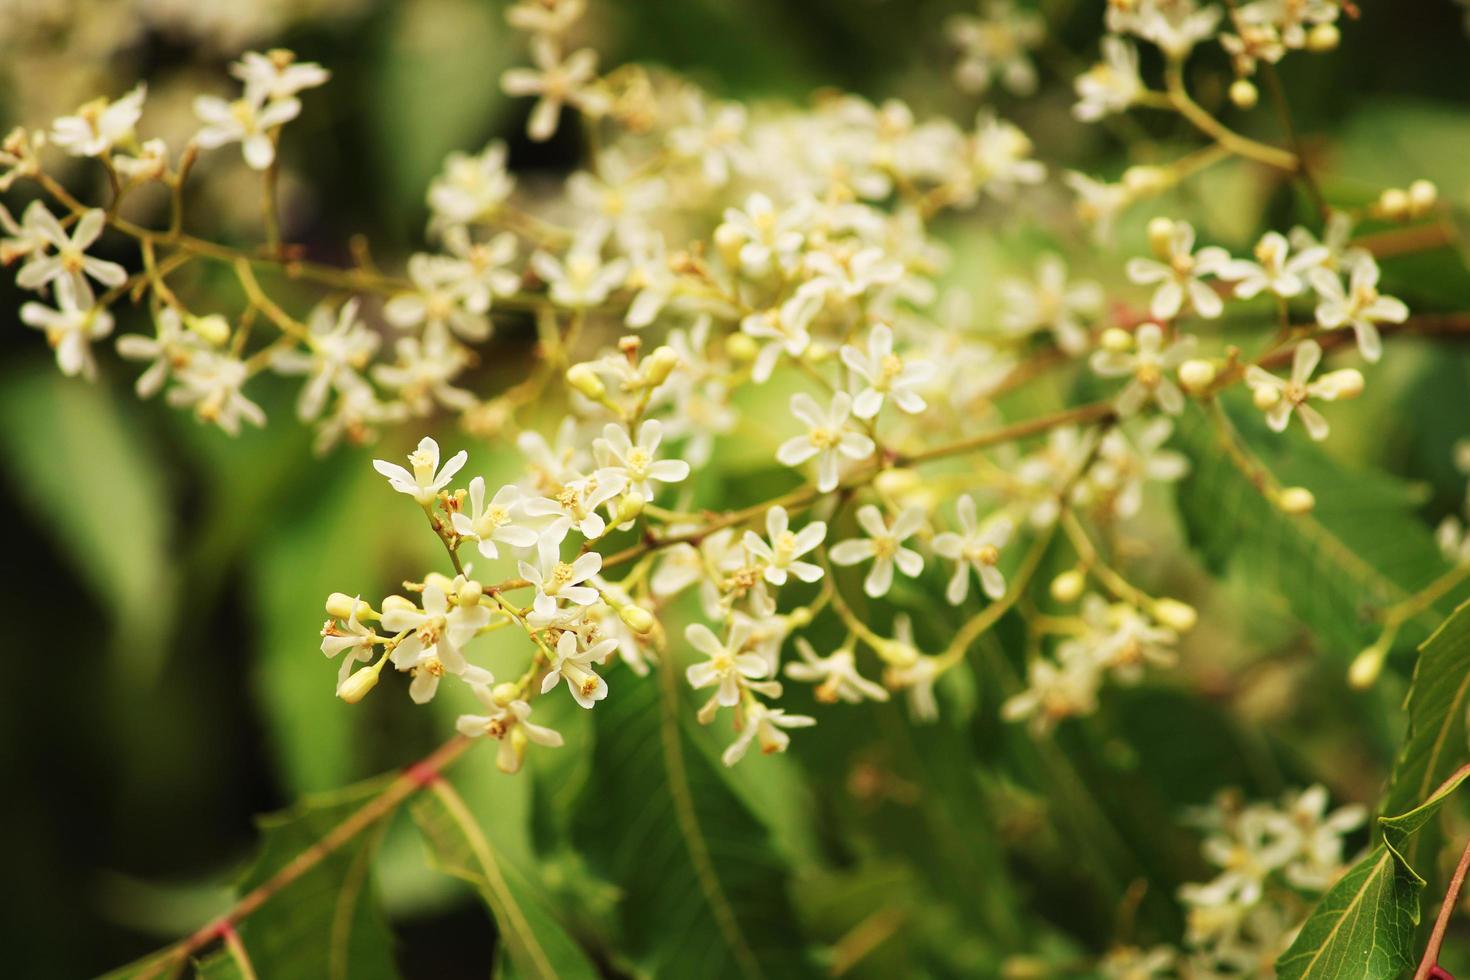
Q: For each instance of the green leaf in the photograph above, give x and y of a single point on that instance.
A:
(1438, 697)
(1361, 549)
(1363, 928)
(536, 943)
(705, 893)
(327, 923)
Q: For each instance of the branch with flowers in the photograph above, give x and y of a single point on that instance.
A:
(720, 274)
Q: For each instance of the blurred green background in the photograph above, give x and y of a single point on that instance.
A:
(166, 581)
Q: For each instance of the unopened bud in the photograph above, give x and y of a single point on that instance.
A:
(1296, 501)
(214, 328)
(1117, 340)
(1265, 396)
(629, 507)
(1243, 93)
(1366, 667)
(1067, 586)
(1422, 196)
(359, 683)
(1143, 180)
(340, 605)
(638, 619)
(1347, 383)
(504, 694)
(1178, 616)
(398, 603)
(1323, 37)
(1197, 374)
(1393, 204)
(468, 594)
(509, 759)
(741, 347)
(659, 365)
(728, 242)
(585, 380)
(1160, 234)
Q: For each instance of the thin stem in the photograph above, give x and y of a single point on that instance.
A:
(1244, 146)
(1430, 960)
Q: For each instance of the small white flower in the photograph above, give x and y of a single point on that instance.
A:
(1055, 691)
(1318, 862)
(70, 329)
(1275, 270)
(828, 437)
(1337, 254)
(357, 638)
(850, 274)
(423, 370)
(1151, 367)
(477, 272)
(996, 45)
(340, 346)
(437, 632)
(1181, 276)
(779, 556)
(556, 82)
(471, 188)
(69, 265)
(497, 522)
(440, 299)
(974, 547)
(248, 121)
(1098, 202)
(171, 347)
(1176, 26)
(729, 665)
(884, 545)
(100, 125)
(1125, 462)
(761, 233)
(1000, 158)
(575, 667)
(555, 579)
(500, 722)
(636, 465)
(1051, 303)
(1281, 397)
(427, 478)
(887, 375)
(1360, 306)
(786, 327)
(1111, 85)
(767, 726)
(836, 676)
(277, 75)
(212, 384)
(150, 163)
(583, 280)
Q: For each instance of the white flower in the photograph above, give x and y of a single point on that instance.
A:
(577, 502)
(996, 45)
(728, 666)
(357, 638)
(786, 327)
(1337, 254)
(713, 139)
(828, 437)
(851, 274)
(575, 667)
(150, 163)
(619, 458)
(1051, 303)
(1112, 84)
(884, 545)
(172, 346)
(100, 125)
(761, 232)
(500, 722)
(248, 121)
(477, 273)
(277, 75)
(836, 676)
(471, 188)
(1055, 691)
(1318, 862)
(1275, 270)
(340, 346)
(440, 298)
(999, 158)
(1181, 276)
(555, 579)
(497, 522)
(1176, 26)
(1151, 367)
(549, 17)
(1098, 202)
(583, 280)
(1360, 306)
(1280, 397)
(780, 556)
(1121, 638)
(886, 374)
(974, 547)
(70, 329)
(766, 725)
(427, 478)
(70, 265)
(212, 385)
(556, 82)
(432, 648)
(423, 370)
(1125, 462)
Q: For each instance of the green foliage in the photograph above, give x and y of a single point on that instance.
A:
(704, 893)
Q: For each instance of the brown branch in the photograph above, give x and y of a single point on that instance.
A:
(1429, 963)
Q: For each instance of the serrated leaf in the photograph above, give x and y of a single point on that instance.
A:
(537, 945)
(326, 924)
(704, 893)
(1362, 547)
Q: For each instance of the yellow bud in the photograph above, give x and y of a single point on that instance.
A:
(510, 761)
(339, 605)
(1145, 179)
(468, 594)
(1296, 500)
(504, 694)
(799, 617)
(1393, 204)
(213, 328)
(1068, 586)
(629, 506)
(399, 603)
(1176, 615)
(728, 241)
(639, 620)
(358, 684)
(1116, 340)
(1265, 396)
(1196, 374)
(585, 380)
(741, 347)
(1323, 37)
(1422, 196)
(1366, 667)
(444, 582)
(659, 365)
(1243, 93)
(1160, 233)
(1347, 383)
